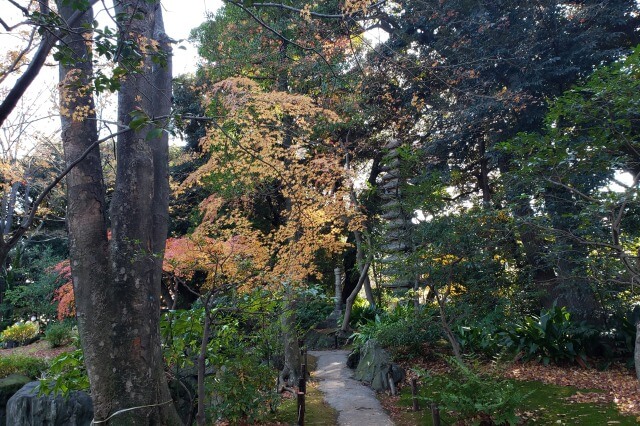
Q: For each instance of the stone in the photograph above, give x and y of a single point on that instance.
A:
(353, 359)
(375, 365)
(27, 408)
(8, 387)
(320, 339)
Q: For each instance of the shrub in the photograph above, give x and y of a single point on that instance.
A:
(58, 334)
(474, 398)
(20, 332)
(312, 307)
(483, 337)
(361, 312)
(32, 285)
(403, 330)
(18, 364)
(549, 337)
(67, 373)
(242, 391)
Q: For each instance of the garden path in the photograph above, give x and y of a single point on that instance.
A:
(356, 403)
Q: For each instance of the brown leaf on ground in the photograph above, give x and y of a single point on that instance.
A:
(39, 349)
(618, 384)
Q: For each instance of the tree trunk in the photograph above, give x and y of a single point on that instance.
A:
(116, 285)
(291, 370)
(201, 417)
(352, 297)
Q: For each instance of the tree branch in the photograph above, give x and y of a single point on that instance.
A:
(283, 38)
(36, 64)
(316, 14)
(26, 223)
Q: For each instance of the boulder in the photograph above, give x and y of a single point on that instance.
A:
(375, 367)
(27, 408)
(353, 359)
(9, 386)
(319, 339)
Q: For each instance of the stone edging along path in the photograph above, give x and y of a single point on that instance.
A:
(356, 403)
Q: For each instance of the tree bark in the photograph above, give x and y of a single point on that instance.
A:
(347, 310)
(291, 370)
(116, 284)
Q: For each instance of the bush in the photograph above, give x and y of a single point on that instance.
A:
(20, 332)
(484, 337)
(67, 373)
(18, 364)
(242, 391)
(361, 312)
(403, 330)
(32, 284)
(550, 337)
(312, 307)
(58, 334)
(473, 398)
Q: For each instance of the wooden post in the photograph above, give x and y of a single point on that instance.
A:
(303, 379)
(435, 414)
(301, 395)
(392, 385)
(414, 394)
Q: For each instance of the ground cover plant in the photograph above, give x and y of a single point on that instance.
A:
(545, 394)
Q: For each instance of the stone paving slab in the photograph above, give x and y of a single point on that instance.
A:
(356, 403)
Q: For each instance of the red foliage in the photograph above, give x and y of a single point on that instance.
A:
(64, 294)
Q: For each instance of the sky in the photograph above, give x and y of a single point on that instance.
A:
(180, 17)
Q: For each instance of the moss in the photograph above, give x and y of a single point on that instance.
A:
(317, 412)
(545, 404)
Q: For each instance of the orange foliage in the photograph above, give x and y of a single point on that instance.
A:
(238, 259)
(256, 151)
(64, 294)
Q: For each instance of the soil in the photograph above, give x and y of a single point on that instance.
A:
(39, 349)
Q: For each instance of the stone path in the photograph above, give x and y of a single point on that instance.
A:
(356, 404)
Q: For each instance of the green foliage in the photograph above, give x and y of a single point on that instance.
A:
(242, 390)
(58, 334)
(31, 283)
(403, 330)
(20, 332)
(67, 373)
(361, 312)
(312, 307)
(18, 364)
(240, 381)
(549, 337)
(475, 399)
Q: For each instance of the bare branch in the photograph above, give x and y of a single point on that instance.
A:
(26, 223)
(36, 64)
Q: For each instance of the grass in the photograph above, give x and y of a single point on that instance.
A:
(545, 405)
(317, 412)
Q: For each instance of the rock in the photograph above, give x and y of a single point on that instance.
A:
(353, 359)
(375, 365)
(9, 386)
(318, 339)
(27, 408)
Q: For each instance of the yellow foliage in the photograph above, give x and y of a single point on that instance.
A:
(269, 140)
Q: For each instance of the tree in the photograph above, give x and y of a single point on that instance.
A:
(471, 75)
(117, 281)
(589, 142)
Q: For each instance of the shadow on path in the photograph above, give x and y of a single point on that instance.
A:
(356, 403)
